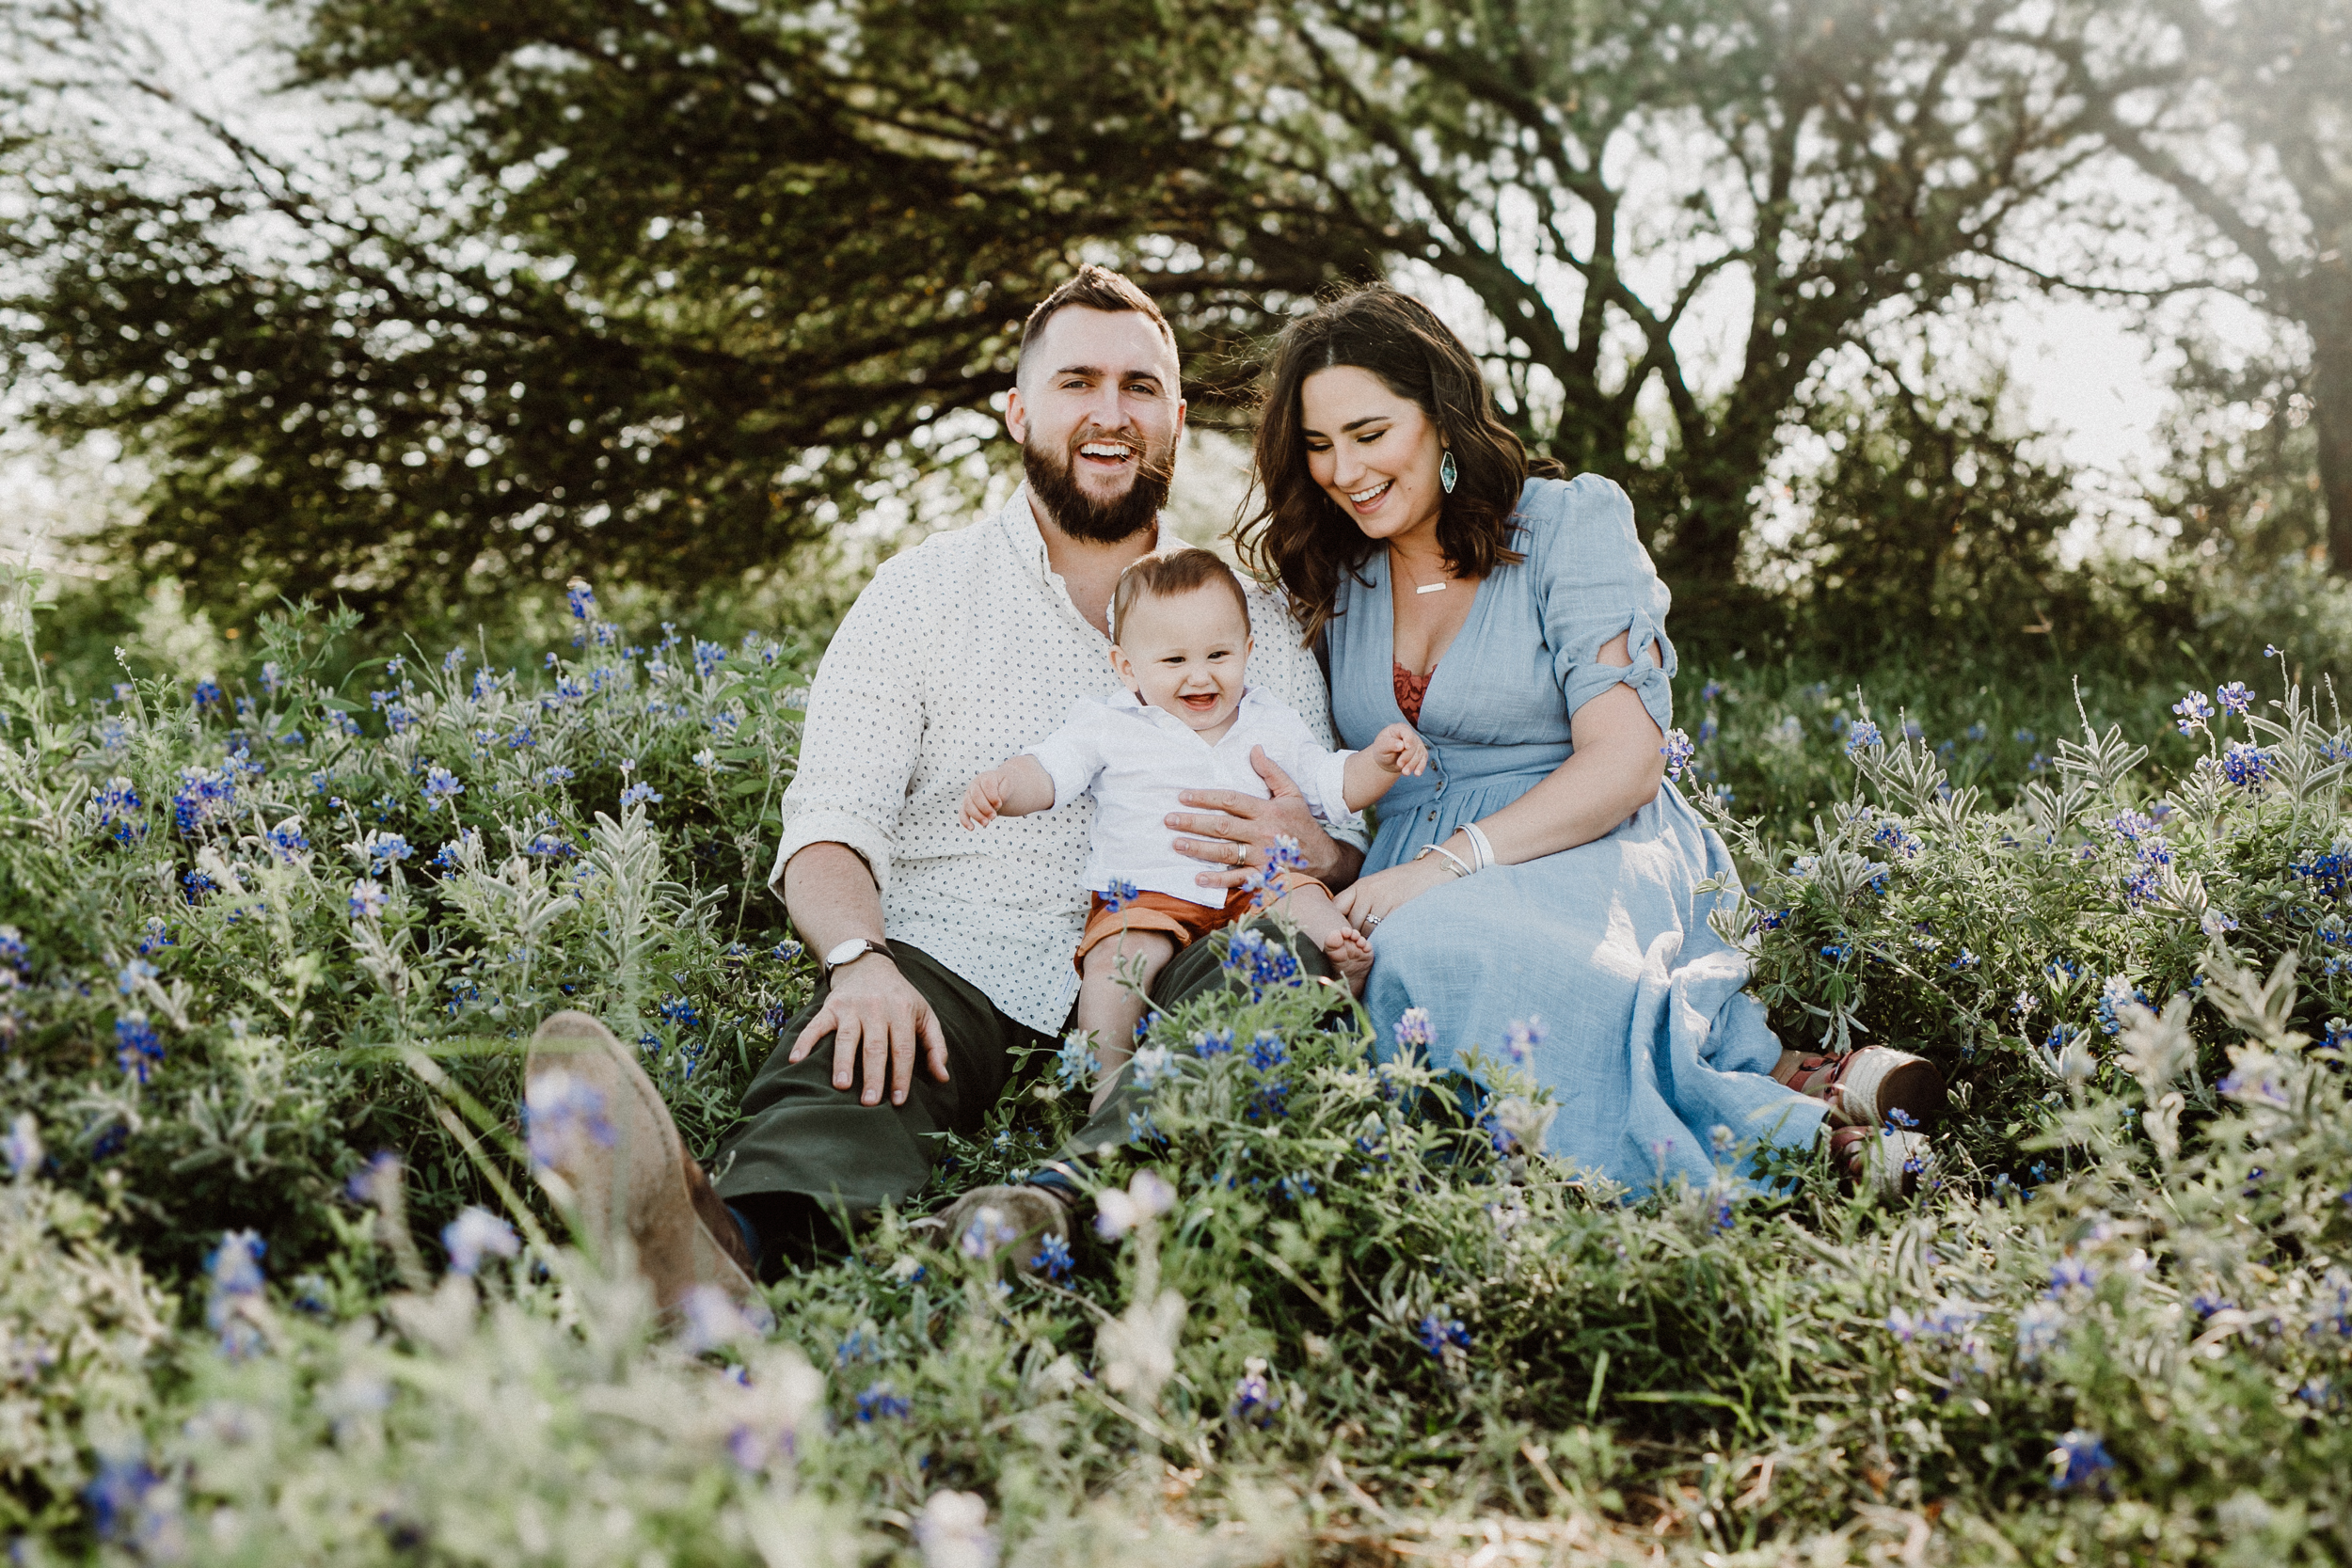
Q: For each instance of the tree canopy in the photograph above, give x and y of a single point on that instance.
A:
(669, 290)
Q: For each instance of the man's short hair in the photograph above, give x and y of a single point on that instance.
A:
(1167, 574)
(1097, 289)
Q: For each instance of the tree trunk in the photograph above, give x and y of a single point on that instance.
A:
(2331, 418)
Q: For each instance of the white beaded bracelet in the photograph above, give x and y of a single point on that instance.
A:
(1477, 837)
(1451, 859)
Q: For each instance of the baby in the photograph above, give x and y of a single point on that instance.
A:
(1187, 721)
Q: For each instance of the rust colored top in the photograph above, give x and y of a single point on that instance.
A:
(1410, 689)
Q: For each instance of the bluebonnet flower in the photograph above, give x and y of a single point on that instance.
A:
(1053, 1258)
(1772, 920)
(2039, 1327)
(2330, 873)
(475, 1234)
(113, 735)
(785, 951)
(2235, 698)
(680, 1011)
(639, 792)
(2116, 994)
(137, 1047)
(376, 1181)
(1076, 1064)
(1709, 729)
(2080, 1460)
(12, 948)
(1261, 964)
(119, 1497)
(708, 760)
(1148, 1067)
(555, 775)
(207, 694)
(1864, 735)
(21, 1147)
(440, 784)
(707, 656)
(1254, 1399)
(1723, 1208)
(385, 849)
(1976, 731)
(2141, 888)
(1210, 1043)
(2194, 711)
(1711, 690)
(2245, 765)
(581, 600)
(560, 1110)
(1414, 1030)
(878, 1403)
(1436, 1333)
(196, 884)
(1267, 1052)
(1520, 1038)
(132, 972)
(454, 660)
(1678, 752)
(1723, 1140)
(235, 1271)
(1899, 1119)
(367, 899)
(273, 679)
(288, 842)
(2259, 1089)
(1838, 952)
(2069, 1273)
(522, 739)
(1119, 895)
(114, 804)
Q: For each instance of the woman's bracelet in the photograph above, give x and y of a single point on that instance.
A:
(1451, 859)
(1484, 851)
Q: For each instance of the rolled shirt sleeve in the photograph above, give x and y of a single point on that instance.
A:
(863, 730)
(1596, 583)
(1072, 755)
(1320, 772)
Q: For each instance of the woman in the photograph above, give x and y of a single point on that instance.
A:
(1542, 868)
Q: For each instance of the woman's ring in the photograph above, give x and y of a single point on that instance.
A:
(1372, 920)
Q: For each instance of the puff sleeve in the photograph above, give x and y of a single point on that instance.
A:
(1594, 581)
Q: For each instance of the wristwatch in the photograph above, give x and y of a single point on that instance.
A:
(853, 950)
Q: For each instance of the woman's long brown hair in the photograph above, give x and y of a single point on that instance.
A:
(1299, 535)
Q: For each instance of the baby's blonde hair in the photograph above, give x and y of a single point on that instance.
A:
(1171, 573)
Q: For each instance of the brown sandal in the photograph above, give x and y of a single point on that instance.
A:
(1875, 1085)
(1886, 1163)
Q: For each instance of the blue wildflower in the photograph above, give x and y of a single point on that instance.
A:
(475, 1234)
(878, 1403)
(1210, 1043)
(2194, 711)
(1678, 752)
(636, 793)
(1864, 735)
(2080, 1460)
(1436, 1333)
(1120, 893)
(440, 784)
(1267, 1052)
(1053, 1258)
(137, 1047)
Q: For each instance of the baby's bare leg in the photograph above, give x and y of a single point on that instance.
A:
(1320, 921)
(1117, 975)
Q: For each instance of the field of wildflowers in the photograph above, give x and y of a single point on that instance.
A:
(277, 1283)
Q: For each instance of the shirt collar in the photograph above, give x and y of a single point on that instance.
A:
(1125, 701)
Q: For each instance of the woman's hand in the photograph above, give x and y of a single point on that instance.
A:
(1371, 899)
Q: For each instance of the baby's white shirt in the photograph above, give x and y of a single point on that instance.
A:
(1133, 759)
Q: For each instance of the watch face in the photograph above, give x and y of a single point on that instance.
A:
(844, 953)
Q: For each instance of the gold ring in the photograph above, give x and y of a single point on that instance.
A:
(1241, 853)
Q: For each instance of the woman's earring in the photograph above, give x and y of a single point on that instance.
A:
(1447, 472)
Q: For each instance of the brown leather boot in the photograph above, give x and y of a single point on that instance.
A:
(597, 1121)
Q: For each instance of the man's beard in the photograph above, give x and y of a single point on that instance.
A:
(1080, 515)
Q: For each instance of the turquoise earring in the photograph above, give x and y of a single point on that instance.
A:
(1447, 472)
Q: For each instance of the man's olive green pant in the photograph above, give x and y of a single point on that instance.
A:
(807, 1155)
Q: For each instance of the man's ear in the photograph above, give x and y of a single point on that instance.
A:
(1017, 417)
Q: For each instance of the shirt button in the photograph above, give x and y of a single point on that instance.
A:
(1433, 817)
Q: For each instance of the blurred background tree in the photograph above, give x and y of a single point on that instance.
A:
(673, 295)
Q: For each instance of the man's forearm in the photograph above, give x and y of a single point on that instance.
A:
(1333, 863)
(830, 896)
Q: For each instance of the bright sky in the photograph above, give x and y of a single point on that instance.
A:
(2082, 376)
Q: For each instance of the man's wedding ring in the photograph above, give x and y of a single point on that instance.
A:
(1241, 853)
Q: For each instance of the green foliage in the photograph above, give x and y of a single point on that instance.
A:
(1338, 1302)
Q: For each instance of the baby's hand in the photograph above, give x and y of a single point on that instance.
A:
(982, 799)
(1398, 749)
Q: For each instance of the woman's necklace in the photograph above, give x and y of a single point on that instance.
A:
(1420, 587)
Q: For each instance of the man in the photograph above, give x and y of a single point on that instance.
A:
(946, 953)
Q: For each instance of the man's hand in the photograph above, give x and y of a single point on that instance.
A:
(873, 1013)
(1234, 832)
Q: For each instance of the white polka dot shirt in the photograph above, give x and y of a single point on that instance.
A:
(960, 653)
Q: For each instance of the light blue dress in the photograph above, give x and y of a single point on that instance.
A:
(1648, 1039)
